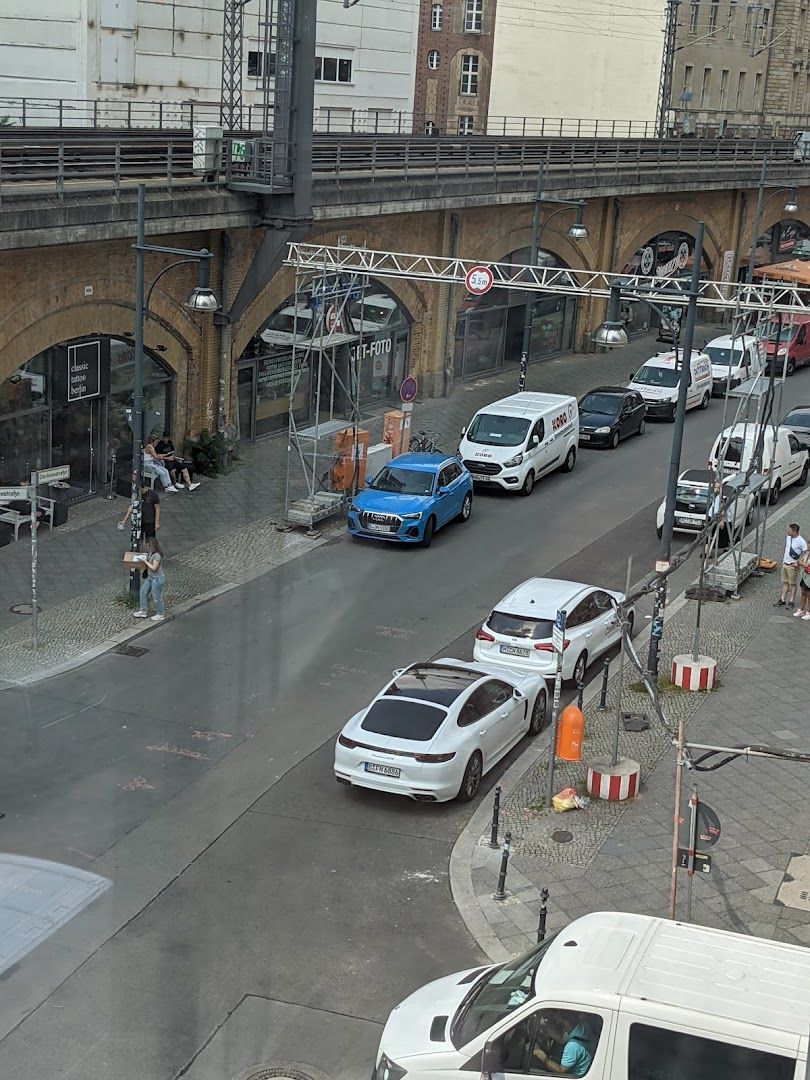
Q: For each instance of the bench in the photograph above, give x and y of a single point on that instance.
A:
(16, 518)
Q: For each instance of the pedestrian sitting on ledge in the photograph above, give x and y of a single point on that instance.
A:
(182, 471)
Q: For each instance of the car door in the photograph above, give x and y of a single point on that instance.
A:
(800, 347)
(577, 1042)
(499, 726)
(629, 416)
(797, 456)
(458, 489)
(607, 628)
(444, 497)
(479, 716)
(578, 633)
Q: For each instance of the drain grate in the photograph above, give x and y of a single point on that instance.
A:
(23, 609)
(131, 650)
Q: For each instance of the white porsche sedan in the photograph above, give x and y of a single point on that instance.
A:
(437, 727)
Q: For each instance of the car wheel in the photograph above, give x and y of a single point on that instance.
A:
(471, 780)
(539, 713)
(580, 668)
(642, 427)
(707, 397)
(570, 460)
(466, 508)
(614, 440)
(803, 478)
(773, 498)
(528, 483)
(427, 535)
(791, 368)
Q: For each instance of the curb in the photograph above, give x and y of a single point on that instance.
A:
(460, 866)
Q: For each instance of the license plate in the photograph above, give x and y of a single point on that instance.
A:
(383, 770)
(689, 517)
(373, 527)
(514, 650)
(479, 476)
(584, 437)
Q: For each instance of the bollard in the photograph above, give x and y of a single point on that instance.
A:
(496, 813)
(603, 691)
(500, 892)
(580, 694)
(541, 919)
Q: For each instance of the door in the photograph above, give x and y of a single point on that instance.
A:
(627, 418)
(246, 396)
(490, 714)
(448, 505)
(801, 348)
(536, 452)
(552, 1041)
(797, 457)
(76, 433)
(579, 631)
(607, 628)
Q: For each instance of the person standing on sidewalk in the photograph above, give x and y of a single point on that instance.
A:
(803, 607)
(150, 513)
(795, 547)
(153, 583)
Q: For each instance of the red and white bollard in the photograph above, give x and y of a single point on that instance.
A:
(691, 674)
(613, 782)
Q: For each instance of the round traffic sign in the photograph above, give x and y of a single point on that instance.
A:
(408, 389)
(479, 280)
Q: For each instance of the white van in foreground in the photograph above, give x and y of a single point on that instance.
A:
(657, 382)
(516, 440)
(613, 997)
(784, 459)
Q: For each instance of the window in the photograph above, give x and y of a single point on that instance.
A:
(740, 91)
(687, 79)
(694, 16)
(713, 8)
(566, 1039)
(465, 125)
(255, 64)
(764, 26)
(469, 78)
(731, 18)
(690, 1057)
(436, 17)
(332, 69)
(758, 91)
(433, 59)
(749, 23)
(430, 127)
(473, 11)
(706, 87)
(802, 27)
(724, 87)
(539, 430)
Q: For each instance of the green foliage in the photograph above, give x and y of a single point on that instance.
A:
(6, 121)
(212, 454)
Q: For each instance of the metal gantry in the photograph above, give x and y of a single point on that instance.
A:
(233, 35)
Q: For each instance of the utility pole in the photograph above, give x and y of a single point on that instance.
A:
(528, 310)
(667, 68)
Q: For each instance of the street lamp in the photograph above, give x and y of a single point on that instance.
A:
(611, 334)
(201, 298)
(790, 207)
(576, 231)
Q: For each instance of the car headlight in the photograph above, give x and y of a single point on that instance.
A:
(512, 462)
(602, 431)
(388, 1070)
(781, 352)
(412, 517)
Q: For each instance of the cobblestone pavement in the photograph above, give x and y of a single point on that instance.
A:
(80, 575)
(618, 856)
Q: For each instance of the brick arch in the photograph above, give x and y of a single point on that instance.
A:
(654, 223)
(770, 217)
(498, 241)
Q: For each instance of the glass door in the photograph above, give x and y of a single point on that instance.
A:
(75, 441)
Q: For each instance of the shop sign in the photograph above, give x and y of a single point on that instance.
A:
(380, 346)
(83, 370)
(677, 262)
(274, 374)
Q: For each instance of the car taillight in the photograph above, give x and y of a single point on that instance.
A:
(546, 646)
(435, 757)
(483, 635)
(348, 743)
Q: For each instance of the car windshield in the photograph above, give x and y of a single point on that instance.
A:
(496, 994)
(286, 323)
(400, 719)
(691, 494)
(370, 312)
(608, 404)
(402, 481)
(800, 418)
(724, 357)
(785, 334)
(657, 376)
(501, 622)
(492, 429)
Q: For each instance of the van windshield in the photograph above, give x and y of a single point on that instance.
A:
(785, 334)
(498, 993)
(490, 429)
(657, 376)
(724, 357)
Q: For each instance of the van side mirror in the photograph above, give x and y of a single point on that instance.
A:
(632, 375)
(491, 1061)
(535, 440)
(463, 432)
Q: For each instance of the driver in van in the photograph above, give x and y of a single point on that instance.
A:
(571, 1032)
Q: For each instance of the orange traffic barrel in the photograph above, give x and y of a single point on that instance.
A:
(570, 731)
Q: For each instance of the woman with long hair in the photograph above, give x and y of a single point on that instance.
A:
(153, 582)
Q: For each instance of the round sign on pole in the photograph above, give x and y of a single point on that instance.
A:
(408, 389)
(478, 280)
(333, 322)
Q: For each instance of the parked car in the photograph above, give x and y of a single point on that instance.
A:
(788, 345)
(695, 498)
(410, 498)
(784, 459)
(436, 728)
(734, 361)
(518, 631)
(798, 422)
(657, 382)
(609, 414)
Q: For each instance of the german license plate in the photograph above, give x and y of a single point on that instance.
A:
(514, 650)
(382, 770)
(479, 476)
(584, 436)
(374, 527)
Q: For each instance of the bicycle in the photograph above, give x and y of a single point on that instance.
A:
(426, 442)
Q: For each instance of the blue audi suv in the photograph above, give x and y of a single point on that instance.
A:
(410, 498)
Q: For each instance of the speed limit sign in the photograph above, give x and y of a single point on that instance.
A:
(479, 280)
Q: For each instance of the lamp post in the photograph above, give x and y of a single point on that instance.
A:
(576, 231)
(790, 207)
(201, 299)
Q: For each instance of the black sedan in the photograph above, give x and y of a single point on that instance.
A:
(798, 421)
(609, 414)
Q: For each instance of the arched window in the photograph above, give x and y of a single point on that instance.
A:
(430, 127)
(436, 17)
(433, 59)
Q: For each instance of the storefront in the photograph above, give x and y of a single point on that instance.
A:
(367, 343)
(788, 239)
(66, 406)
(489, 328)
(668, 255)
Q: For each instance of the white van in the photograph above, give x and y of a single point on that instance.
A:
(784, 459)
(657, 382)
(613, 997)
(734, 361)
(516, 440)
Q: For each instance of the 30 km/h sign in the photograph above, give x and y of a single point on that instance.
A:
(478, 280)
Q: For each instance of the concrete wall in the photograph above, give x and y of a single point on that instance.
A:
(551, 59)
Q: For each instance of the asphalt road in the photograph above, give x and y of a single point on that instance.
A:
(260, 913)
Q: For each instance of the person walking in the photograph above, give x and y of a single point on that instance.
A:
(155, 467)
(795, 547)
(182, 471)
(150, 513)
(153, 583)
(803, 607)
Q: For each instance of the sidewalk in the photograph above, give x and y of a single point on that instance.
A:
(617, 856)
(80, 575)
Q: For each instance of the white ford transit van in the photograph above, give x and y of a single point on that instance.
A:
(612, 997)
(734, 361)
(657, 382)
(784, 459)
(516, 440)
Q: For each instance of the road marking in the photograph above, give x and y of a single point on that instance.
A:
(76, 712)
(164, 748)
(209, 736)
(137, 784)
(394, 632)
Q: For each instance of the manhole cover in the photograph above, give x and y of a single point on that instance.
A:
(562, 837)
(281, 1072)
(23, 609)
(131, 650)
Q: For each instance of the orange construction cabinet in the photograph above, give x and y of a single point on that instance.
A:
(349, 457)
(570, 731)
(397, 430)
